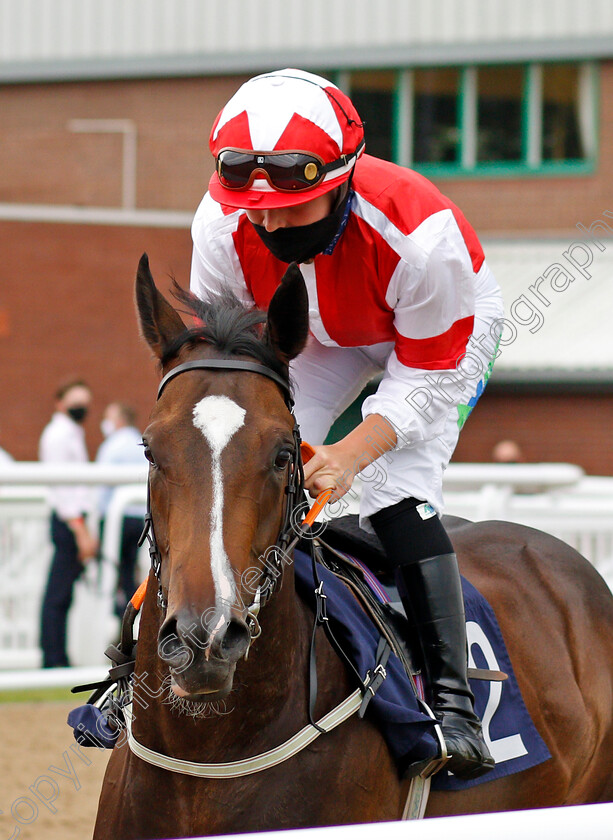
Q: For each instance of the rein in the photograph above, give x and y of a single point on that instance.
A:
(246, 766)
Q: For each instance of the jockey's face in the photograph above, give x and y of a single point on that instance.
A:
(297, 216)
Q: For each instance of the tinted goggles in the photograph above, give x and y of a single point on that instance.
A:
(285, 171)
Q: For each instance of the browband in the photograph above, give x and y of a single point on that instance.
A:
(228, 364)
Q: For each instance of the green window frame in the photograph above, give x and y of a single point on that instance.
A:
(550, 118)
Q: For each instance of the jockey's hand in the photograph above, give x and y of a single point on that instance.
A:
(335, 466)
(330, 467)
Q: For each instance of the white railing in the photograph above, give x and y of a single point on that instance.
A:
(25, 554)
(580, 514)
(556, 498)
(569, 823)
(28, 473)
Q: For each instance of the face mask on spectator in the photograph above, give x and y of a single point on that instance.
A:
(77, 412)
(107, 427)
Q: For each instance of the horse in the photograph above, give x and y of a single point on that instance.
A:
(221, 443)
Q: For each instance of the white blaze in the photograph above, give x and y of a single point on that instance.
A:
(218, 418)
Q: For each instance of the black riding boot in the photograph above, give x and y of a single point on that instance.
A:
(431, 592)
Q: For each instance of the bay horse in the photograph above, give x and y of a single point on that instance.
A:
(221, 444)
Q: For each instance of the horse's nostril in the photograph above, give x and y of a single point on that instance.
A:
(179, 644)
(172, 648)
(235, 640)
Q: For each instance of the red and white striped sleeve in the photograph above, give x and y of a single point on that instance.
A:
(432, 295)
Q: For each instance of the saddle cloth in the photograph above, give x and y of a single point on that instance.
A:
(508, 729)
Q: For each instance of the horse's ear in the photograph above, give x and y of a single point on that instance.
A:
(288, 315)
(159, 323)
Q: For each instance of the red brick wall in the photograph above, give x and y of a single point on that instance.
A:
(66, 290)
(66, 294)
(572, 428)
(43, 162)
(66, 308)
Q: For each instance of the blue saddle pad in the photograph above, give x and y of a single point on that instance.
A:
(508, 729)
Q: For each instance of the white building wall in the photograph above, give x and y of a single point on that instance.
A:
(34, 31)
(557, 295)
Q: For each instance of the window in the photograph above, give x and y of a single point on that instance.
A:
(373, 94)
(563, 138)
(436, 134)
(499, 114)
(490, 119)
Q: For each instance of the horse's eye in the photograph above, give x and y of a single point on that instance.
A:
(283, 457)
(148, 453)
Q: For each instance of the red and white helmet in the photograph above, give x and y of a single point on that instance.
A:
(284, 138)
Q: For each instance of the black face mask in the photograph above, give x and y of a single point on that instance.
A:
(78, 413)
(298, 244)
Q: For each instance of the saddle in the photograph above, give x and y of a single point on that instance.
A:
(338, 551)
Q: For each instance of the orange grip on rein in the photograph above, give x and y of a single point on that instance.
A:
(318, 505)
(307, 452)
(139, 596)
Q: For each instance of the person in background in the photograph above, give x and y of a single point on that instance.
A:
(507, 452)
(122, 445)
(63, 441)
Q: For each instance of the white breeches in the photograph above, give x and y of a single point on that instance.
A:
(328, 379)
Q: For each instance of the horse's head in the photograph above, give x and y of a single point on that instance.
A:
(222, 449)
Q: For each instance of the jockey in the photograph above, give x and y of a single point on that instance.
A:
(397, 287)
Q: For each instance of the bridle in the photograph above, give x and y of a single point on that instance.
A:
(273, 566)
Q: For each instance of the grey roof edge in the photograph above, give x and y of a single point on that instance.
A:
(392, 55)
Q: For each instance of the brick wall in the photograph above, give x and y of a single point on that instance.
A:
(66, 294)
(44, 162)
(564, 427)
(66, 290)
(66, 307)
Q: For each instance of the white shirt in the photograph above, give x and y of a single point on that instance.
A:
(124, 446)
(63, 441)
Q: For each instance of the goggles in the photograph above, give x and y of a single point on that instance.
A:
(285, 171)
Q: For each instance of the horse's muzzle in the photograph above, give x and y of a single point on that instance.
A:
(202, 661)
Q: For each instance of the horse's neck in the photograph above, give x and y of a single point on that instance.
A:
(270, 695)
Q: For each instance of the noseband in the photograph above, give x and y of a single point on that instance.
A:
(273, 567)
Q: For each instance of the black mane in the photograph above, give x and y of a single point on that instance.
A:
(228, 326)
